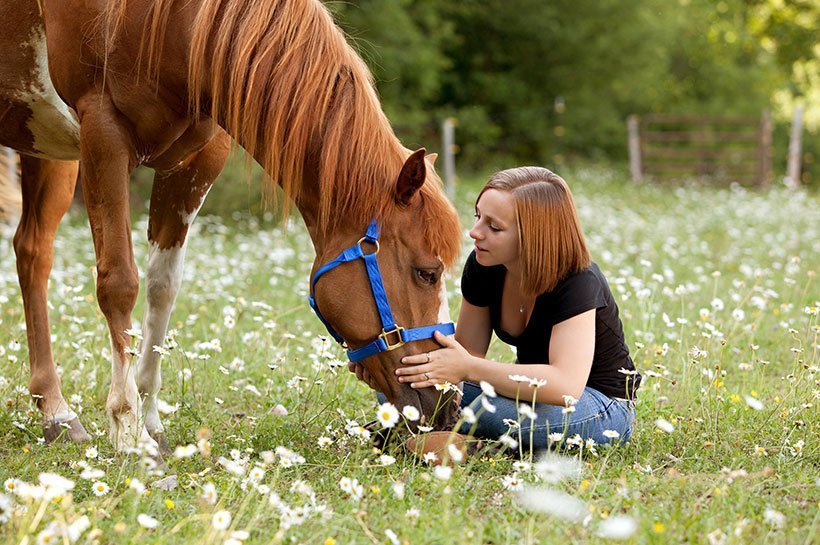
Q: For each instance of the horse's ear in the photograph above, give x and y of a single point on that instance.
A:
(411, 177)
(432, 158)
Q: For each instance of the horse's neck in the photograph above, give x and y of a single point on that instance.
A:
(307, 201)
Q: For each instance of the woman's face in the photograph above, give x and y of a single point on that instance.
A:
(496, 231)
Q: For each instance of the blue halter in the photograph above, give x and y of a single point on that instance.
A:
(392, 335)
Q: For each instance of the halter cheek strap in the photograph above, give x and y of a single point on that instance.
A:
(392, 335)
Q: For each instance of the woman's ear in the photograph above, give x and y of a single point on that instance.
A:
(411, 177)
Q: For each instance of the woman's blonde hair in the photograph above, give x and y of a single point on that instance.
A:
(551, 240)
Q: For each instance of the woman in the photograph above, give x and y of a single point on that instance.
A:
(531, 281)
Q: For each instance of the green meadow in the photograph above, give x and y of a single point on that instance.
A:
(718, 293)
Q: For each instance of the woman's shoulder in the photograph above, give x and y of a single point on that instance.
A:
(587, 284)
(578, 292)
(586, 277)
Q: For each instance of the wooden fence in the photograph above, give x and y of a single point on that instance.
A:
(732, 149)
(10, 199)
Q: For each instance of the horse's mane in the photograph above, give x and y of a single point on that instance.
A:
(292, 81)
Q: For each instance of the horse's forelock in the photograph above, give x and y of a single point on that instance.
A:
(442, 230)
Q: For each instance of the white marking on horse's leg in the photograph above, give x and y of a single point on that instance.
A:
(189, 217)
(63, 415)
(163, 279)
(124, 406)
(444, 306)
(54, 127)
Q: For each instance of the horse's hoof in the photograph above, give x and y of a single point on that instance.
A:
(162, 443)
(72, 431)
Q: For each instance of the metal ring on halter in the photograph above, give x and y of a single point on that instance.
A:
(376, 242)
(428, 357)
(427, 375)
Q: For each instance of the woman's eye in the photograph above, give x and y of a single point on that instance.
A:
(427, 276)
(494, 229)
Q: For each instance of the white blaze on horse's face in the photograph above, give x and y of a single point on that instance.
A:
(54, 127)
(444, 306)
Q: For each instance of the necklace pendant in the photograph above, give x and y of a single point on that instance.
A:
(521, 309)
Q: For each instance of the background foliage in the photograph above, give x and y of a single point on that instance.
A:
(552, 83)
(544, 82)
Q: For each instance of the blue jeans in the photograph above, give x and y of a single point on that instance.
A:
(594, 413)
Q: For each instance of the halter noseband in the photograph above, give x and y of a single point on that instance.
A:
(392, 335)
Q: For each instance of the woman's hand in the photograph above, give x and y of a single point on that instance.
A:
(448, 364)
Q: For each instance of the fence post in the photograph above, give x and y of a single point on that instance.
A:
(635, 168)
(795, 149)
(448, 148)
(764, 158)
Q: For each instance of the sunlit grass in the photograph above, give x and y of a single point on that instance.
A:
(719, 298)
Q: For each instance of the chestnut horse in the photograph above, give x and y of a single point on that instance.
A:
(167, 84)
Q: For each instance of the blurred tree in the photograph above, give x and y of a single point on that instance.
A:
(789, 29)
(401, 41)
(536, 81)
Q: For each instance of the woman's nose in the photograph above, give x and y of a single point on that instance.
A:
(474, 233)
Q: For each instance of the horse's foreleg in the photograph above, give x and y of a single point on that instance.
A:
(107, 159)
(175, 200)
(48, 187)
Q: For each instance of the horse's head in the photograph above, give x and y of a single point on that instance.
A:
(418, 239)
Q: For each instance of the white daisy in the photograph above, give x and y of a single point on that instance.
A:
(488, 389)
(664, 425)
(387, 415)
(754, 403)
(442, 473)
(147, 521)
(410, 413)
(100, 488)
(221, 520)
(386, 460)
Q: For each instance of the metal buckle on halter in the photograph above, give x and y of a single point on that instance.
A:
(400, 342)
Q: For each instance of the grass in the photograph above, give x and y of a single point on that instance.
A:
(719, 297)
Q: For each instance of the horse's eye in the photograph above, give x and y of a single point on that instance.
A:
(427, 276)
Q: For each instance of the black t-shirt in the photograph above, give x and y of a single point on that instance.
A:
(579, 292)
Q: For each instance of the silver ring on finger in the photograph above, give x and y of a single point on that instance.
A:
(427, 375)
(428, 357)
